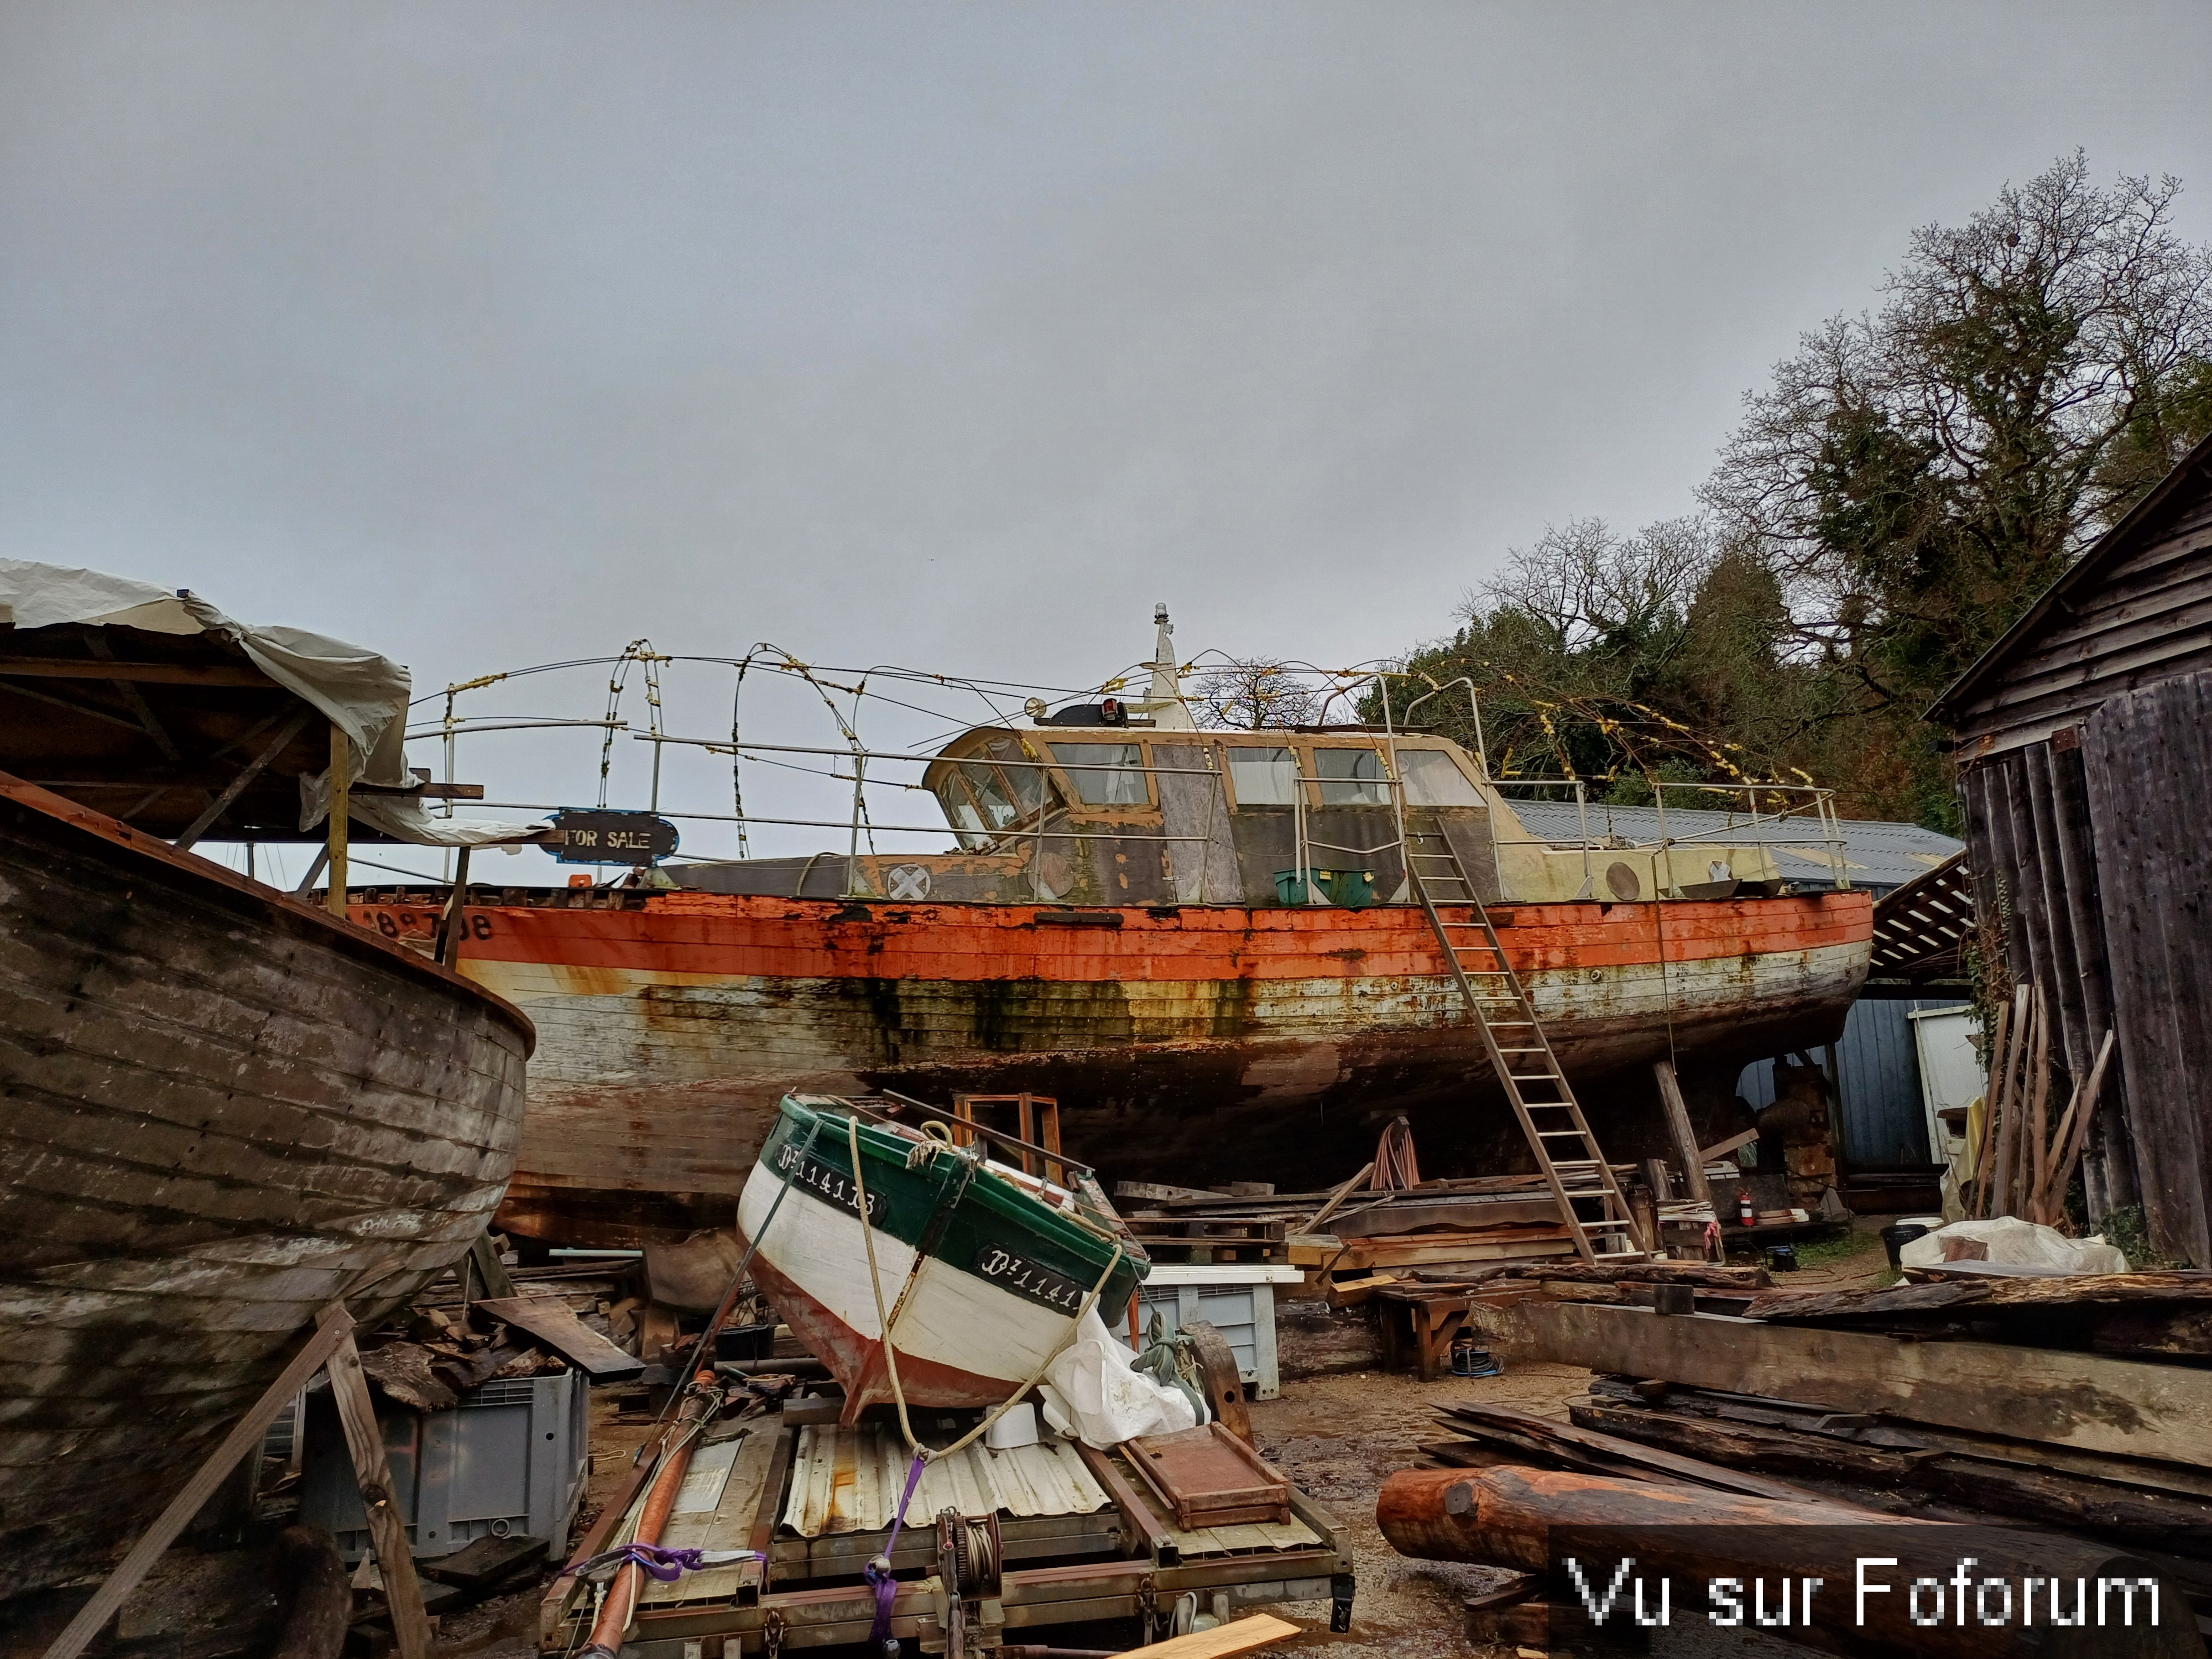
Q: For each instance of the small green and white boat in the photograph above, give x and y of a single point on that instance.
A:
(983, 1267)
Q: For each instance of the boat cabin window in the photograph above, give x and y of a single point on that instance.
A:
(1112, 786)
(1433, 779)
(1351, 777)
(960, 809)
(1261, 777)
(999, 810)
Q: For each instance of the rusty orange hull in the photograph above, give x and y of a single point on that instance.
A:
(1200, 1042)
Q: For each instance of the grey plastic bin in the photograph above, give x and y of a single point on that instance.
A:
(510, 1458)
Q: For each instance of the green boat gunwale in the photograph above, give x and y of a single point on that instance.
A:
(910, 1196)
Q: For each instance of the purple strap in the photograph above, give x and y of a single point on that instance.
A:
(886, 1586)
(665, 1565)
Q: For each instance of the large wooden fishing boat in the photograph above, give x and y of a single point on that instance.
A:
(985, 1266)
(1124, 926)
(221, 1109)
(221, 1106)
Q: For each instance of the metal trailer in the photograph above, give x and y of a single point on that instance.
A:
(1125, 1558)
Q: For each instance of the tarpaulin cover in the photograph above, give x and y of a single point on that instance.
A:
(365, 695)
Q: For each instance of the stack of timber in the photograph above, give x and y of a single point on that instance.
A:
(2077, 1403)
(1347, 1234)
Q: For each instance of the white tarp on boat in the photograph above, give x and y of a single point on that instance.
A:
(365, 695)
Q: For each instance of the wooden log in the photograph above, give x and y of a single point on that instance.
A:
(1678, 1126)
(315, 1624)
(2126, 1407)
(1513, 1517)
(1218, 1373)
(332, 1326)
(387, 1528)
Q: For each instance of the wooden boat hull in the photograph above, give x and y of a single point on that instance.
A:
(1181, 1042)
(1001, 1281)
(219, 1110)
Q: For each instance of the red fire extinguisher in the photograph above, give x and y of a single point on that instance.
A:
(1746, 1211)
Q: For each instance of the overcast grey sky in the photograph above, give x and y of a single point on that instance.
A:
(487, 334)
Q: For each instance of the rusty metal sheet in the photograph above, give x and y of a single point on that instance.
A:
(850, 1480)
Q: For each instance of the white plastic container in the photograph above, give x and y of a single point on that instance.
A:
(1018, 1427)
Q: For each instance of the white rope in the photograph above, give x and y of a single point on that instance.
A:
(886, 1323)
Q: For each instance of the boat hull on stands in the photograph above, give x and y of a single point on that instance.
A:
(1185, 1043)
(220, 1109)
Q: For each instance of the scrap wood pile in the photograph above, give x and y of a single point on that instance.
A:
(2026, 1149)
(1385, 1219)
(2076, 1404)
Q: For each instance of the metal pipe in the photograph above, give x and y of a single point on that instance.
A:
(621, 1605)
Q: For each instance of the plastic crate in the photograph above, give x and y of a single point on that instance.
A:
(510, 1458)
(1236, 1300)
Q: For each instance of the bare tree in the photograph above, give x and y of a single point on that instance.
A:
(1248, 694)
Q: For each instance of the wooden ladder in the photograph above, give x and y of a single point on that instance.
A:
(1519, 1054)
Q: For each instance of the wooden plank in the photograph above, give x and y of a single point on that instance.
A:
(1721, 1149)
(387, 1530)
(332, 1328)
(2123, 1406)
(138, 673)
(548, 1319)
(1685, 1138)
(1237, 1636)
(340, 824)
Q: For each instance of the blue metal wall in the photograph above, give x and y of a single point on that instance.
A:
(1885, 1122)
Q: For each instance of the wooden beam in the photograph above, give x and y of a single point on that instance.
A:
(1721, 1149)
(1685, 1138)
(332, 1328)
(340, 780)
(236, 787)
(2088, 1402)
(387, 1530)
(1237, 1636)
(142, 673)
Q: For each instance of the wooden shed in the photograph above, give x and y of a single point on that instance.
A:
(2085, 743)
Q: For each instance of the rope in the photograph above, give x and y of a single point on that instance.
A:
(887, 1323)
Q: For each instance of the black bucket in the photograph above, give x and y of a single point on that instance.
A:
(1898, 1235)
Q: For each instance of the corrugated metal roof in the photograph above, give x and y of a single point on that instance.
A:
(1877, 854)
(849, 1480)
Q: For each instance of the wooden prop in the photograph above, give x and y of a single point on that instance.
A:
(1686, 1139)
(332, 1328)
(1336, 1200)
(341, 782)
(2076, 1142)
(2036, 1169)
(1991, 1105)
(387, 1528)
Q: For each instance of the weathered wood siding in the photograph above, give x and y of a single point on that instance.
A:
(2149, 754)
(2141, 616)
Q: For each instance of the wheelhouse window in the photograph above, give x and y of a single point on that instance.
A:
(1261, 777)
(1104, 773)
(961, 811)
(992, 796)
(1351, 777)
(1433, 779)
(1023, 778)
